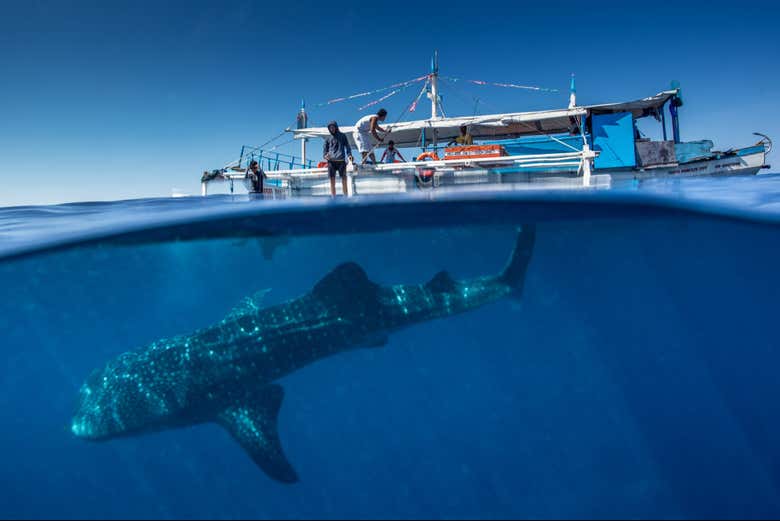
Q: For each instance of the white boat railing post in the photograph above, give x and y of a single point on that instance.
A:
(587, 153)
(352, 170)
(587, 157)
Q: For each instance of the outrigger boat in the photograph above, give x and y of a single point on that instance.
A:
(577, 146)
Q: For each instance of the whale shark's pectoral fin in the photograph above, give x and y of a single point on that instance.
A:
(254, 426)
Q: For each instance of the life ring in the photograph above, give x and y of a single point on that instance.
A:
(428, 155)
(424, 177)
(322, 164)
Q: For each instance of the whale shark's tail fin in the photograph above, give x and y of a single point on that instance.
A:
(514, 273)
(253, 423)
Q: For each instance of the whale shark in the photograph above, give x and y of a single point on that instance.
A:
(226, 373)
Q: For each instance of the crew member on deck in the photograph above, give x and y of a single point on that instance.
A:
(391, 152)
(336, 151)
(257, 175)
(365, 128)
(464, 139)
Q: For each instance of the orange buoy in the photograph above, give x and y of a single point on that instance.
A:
(428, 155)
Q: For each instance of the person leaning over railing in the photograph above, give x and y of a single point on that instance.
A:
(257, 175)
(365, 128)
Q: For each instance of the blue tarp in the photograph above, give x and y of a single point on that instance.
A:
(613, 138)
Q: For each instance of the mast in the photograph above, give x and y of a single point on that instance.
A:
(572, 93)
(303, 121)
(434, 95)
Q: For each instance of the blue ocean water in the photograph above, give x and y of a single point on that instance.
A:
(637, 376)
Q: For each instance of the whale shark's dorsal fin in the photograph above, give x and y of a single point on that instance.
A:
(442, 282)
(254, 426)
(347, 283)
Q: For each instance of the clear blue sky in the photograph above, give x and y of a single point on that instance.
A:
(110, 100)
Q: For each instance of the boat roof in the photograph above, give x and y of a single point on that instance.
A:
(498, 126)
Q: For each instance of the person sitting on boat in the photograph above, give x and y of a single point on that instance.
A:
(336, 151)
(391, 152)
(366, 127)
(464, 139)
(257, 175)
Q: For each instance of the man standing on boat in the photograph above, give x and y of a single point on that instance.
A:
(256, 174)
(366, 127)
(336, 151)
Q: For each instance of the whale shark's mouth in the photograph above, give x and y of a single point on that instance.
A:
(96, 416)
(85, 421)
(82, 429)
(83, 425)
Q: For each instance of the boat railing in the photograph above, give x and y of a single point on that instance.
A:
(283, 179)
(556, 160)
(269, 160)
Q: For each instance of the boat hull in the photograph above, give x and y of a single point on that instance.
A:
(404, 181)
(292, 183)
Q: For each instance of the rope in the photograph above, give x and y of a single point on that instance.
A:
(553, 137)
(413, 106)
(380, 100)
(459, 93)
(449, 81)
(410, 108)
(401, 85)
(283, 143)
(272, 140)
(504, 85)
(257, 148)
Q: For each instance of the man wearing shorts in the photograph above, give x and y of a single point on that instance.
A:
(336, 151)
(365, 128)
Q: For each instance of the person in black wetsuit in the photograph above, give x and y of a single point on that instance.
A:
(336, 151)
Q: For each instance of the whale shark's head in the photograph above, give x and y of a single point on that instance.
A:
(113, 402)
(97, 415)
